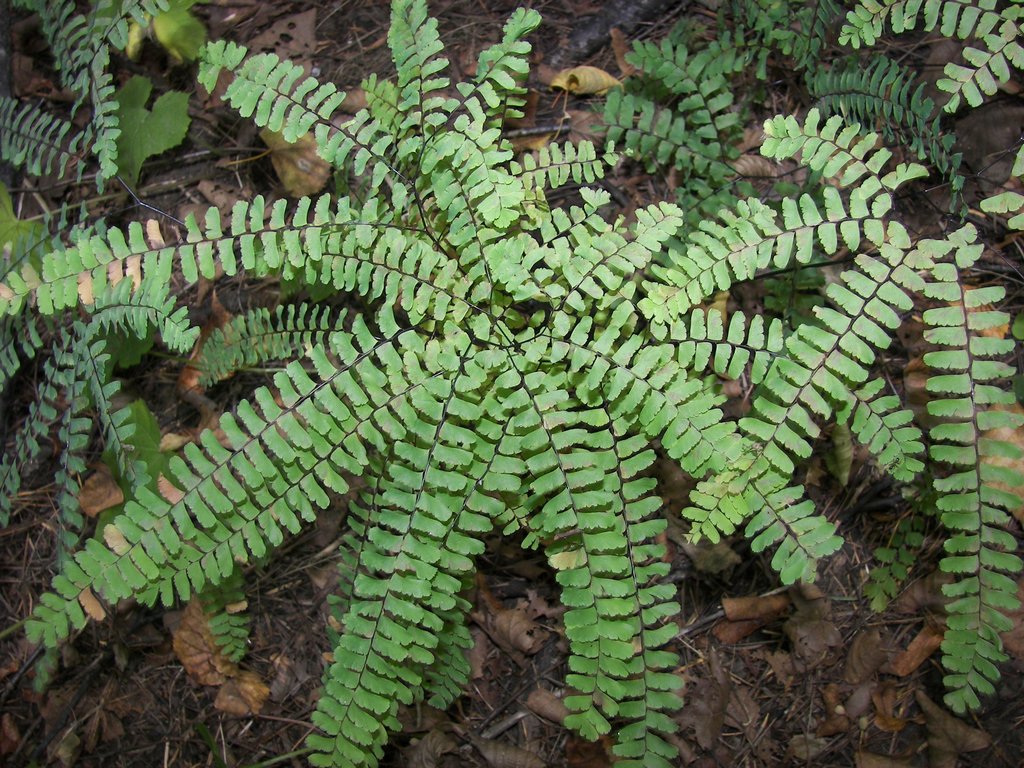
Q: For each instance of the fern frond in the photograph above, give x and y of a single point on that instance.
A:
(32, 139)
(225, 608)
(502, 68)
(980, 551)
(895, 561)
(882, 93)
(886, 428)
(555, 164)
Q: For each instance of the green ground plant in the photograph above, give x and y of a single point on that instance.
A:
(513, 367)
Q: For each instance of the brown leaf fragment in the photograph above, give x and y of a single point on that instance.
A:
(924, 595)
(301, 170)
(584, 81)
(500, 754)
(1013, 639)
(809, 629)
(836, 720)
(871, 760)
(543, 702)
(885, 698)
(766, 608)
(580, 753)
(99, 492)
(859, 701)
(948, 736)
(924, 644)
(620, 47)
(426, 752)
(711, 558)
(92, 605)
(242, 695)
(731, 632)
(707, 703)
(513, 628)
(866, 656)
(10, 737)
(202, 658)
(805, 747)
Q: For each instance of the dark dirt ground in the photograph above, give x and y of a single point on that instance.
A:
(809, 681)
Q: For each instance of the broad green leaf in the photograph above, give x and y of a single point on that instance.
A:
(145, 133)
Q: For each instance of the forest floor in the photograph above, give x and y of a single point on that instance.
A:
(803, 676)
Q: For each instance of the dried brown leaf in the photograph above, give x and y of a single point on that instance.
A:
(99, 492)
(426, 752)
(1013, 639)
(500, 754)
(514, 628)
(924, 644)
(871, 760)
(584, 81)
(301, 170)
(836, 720)
(10, 737)
(866, 656)
(763, 607)
(809, 629)
(242, 695)
(805, 747)
(711, 558)
(543, 702)
(195, 647)
(948, 736)
(885, 697)
(620, 47)
(92, 605)
(707, 703)
(924, 595)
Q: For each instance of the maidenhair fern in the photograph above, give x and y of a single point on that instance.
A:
(511, 370)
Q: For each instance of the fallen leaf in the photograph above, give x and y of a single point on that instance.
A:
(242, 695)
(809, 629)
(871, 760)
(885, 697)
(580, 753)
(195, 647)
(513, 629)
(924, 644)
(805, 747)
(620, 47)
(426, 752)
(836, 720)
(301, 170)
(866, 656)
(92, 605)
(925, 594)
(543, 702)
(10, 738)
(948, 736)
(711, 558)
(1013, 639)
(763, 607)
(706, 704)
(500, 754)
(99, 492)
(584, 80)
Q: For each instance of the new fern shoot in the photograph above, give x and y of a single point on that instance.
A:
(514, 369)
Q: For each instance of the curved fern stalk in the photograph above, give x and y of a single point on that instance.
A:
(972, 503)
(750, 237)
(998, 31)
(883, 93)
